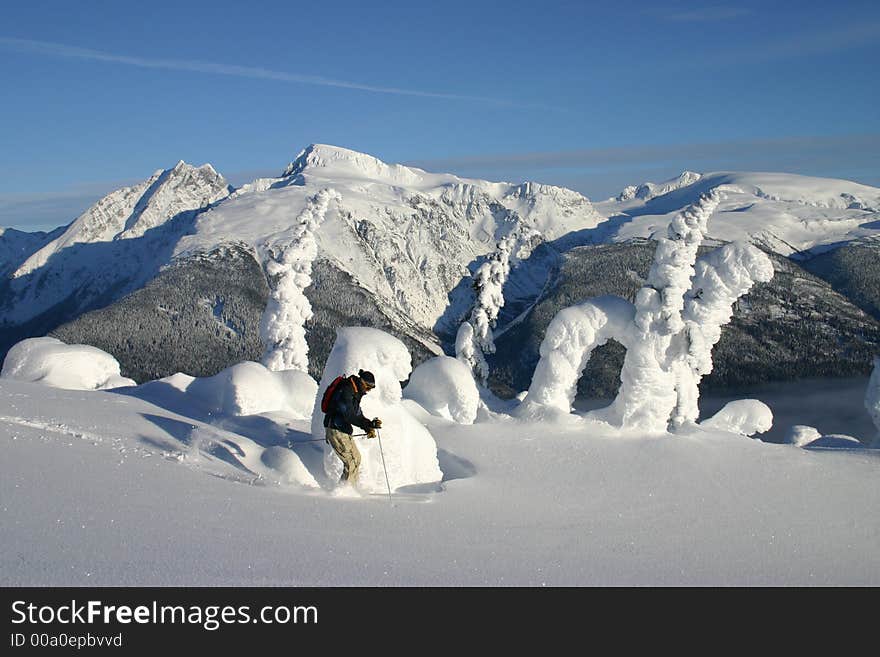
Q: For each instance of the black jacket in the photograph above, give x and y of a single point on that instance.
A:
(345, 408)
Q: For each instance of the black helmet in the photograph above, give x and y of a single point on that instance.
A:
(368, 378)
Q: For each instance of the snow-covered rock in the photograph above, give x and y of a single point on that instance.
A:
(444, 386)
(249, 388)
(648, 190)
(53, 363)
(409, 450)
(743, 416)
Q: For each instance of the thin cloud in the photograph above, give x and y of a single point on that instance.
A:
(707, 14)
(863, 147)
(47, 210)
(796, 46)
(819, 43)
(196, 66)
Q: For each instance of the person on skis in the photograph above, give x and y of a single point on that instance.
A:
(343, 411)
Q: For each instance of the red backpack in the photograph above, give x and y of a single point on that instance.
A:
(328, 393)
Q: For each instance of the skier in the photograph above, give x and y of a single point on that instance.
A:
(343, 411)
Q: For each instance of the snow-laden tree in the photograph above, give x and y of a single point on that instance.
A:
(872, 399)
(568, 344)
(407, 451)
(475, 337)
(288, 262)
(668, 332)
(722, 276)
(445, 387)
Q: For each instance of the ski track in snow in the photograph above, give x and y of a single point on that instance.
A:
(54, 431)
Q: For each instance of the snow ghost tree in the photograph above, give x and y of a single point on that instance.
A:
(445, 387)
(568, 344)
(409, 448)
(288, 262)
(53, 363)
(475, 338)
(669, 331)
(872, 399)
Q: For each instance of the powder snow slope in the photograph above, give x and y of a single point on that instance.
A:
(787, 213)
(109, 489)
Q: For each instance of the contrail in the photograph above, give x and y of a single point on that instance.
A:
(196, 66)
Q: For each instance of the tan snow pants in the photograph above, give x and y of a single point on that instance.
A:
(343, 445)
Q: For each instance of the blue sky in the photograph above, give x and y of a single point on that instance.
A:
(590, 95)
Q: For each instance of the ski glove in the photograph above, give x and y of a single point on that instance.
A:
(371, 433)
(377, 423)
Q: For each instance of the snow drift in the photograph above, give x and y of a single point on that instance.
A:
(743, 416)
(53, 363)
(410, 452)
(250, 388)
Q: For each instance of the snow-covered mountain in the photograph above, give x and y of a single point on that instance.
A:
(141, 273)
(404, 237)
(132, 211)
(114, 247)
(16, 246)
(790, 214)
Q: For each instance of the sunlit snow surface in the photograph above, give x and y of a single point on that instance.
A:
(106, 488)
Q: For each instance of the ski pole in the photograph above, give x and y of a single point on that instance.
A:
(382, 452)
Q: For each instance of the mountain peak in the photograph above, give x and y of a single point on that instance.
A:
(649, 190)
(183, 167)
(325, 160)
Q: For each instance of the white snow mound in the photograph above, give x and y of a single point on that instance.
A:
(743, 416)
(444, 386)
(410, 453)
(249, 388)
(801, 434)
(54, 363)
(836, 441)
(287, 466)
